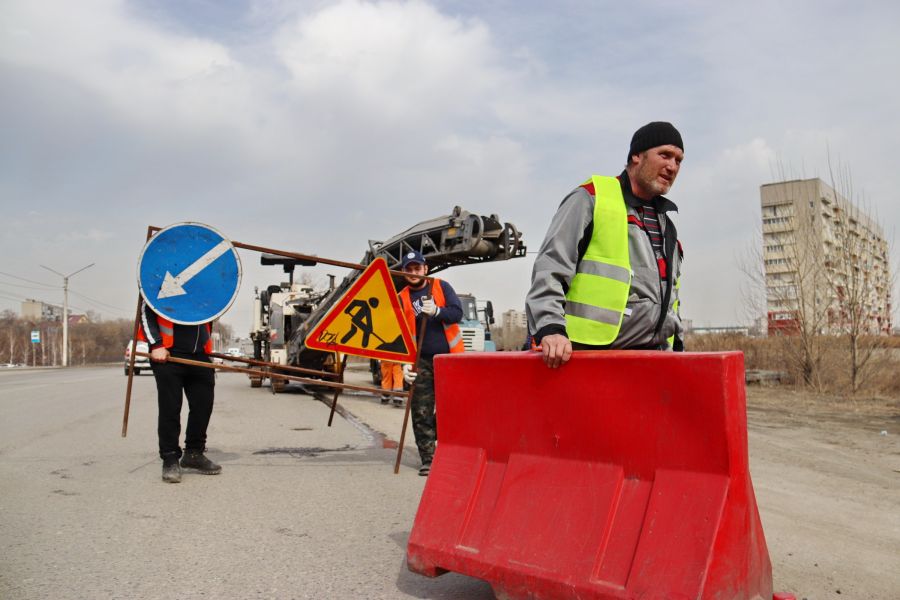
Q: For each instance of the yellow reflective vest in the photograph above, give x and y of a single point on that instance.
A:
(596, 299)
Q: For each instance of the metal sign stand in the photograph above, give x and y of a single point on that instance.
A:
(267, 368)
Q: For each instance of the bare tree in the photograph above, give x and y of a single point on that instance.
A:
(224, 331)
(858, 273)
(823, 264)
(8, 322)
(788, 265)
(99, 342)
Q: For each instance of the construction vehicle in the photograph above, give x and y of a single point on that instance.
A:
(285, 313)
(475, 327)
(277, 312)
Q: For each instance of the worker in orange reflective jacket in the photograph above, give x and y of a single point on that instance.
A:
(438, 304)
(607, 274)
(173, 381)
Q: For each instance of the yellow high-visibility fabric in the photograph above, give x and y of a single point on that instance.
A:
(595, 302)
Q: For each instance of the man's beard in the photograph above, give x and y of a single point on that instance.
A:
(647, 178)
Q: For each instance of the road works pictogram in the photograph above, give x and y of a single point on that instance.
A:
(367, 320)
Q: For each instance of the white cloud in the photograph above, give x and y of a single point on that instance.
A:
(91, 235)
(136, 69)
(333, 122)
(399, 61)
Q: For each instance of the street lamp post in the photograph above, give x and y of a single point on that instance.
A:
(65, 352)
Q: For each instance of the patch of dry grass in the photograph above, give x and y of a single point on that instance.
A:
(880, 377)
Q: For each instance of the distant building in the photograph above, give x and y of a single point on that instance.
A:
(514, 320)
(514, 328)
(35, 310)
(806, 224)
(78, 319)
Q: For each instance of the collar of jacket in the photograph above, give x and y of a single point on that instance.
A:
(661, 203)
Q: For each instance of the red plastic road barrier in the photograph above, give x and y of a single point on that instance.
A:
(619, 475)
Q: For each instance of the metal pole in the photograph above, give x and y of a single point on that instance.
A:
(133, 356)
(306, 257)
(262, 363)
(337, 391)
(306, 380)
(131, 359)
(412, 388)
(65, 348)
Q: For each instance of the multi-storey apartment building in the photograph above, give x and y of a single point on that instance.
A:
(514, 329)
(35, 310)
(824, 260)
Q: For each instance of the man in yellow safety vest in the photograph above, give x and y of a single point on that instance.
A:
(607, 274)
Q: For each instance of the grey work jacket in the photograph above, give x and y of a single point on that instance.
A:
(646, 324)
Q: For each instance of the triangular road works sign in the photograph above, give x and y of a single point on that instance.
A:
(367, 320)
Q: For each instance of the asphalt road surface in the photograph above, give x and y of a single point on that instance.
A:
(300, 510)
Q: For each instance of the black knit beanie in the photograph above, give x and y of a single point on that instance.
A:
(651, 135)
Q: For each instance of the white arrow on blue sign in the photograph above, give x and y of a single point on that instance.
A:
(189, 273)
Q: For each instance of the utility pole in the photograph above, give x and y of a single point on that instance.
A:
(65, 352)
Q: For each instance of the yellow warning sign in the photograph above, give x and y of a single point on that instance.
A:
(367, 320)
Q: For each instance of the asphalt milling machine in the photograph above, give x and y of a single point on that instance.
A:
(285, 313)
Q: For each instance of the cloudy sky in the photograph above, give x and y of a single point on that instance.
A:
(316, 126)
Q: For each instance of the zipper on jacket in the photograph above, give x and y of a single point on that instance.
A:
(197, 340)
(669, 281)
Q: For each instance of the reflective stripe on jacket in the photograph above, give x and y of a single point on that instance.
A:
(167, 333)
(596, 299)
(451, 330)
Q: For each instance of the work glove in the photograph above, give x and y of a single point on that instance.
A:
(429, 307)
(409, 376)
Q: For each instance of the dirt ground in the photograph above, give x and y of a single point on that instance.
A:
(827, 477)
(826, 472)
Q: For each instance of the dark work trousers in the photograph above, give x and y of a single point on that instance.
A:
(173, 381)
(424, 419)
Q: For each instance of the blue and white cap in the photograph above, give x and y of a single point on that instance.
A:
(412, 257)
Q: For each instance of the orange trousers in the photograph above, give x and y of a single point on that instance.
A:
(391, 375)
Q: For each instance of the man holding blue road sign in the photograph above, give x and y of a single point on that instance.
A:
(189, 275)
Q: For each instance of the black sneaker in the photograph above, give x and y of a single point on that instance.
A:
(398, 402)
(196, 461)
(171, 470)
(425, 469)
(385, 398)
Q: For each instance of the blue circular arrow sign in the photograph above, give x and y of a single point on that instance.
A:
(189, 273)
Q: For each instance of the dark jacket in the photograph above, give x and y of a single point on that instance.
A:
(187, 339)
